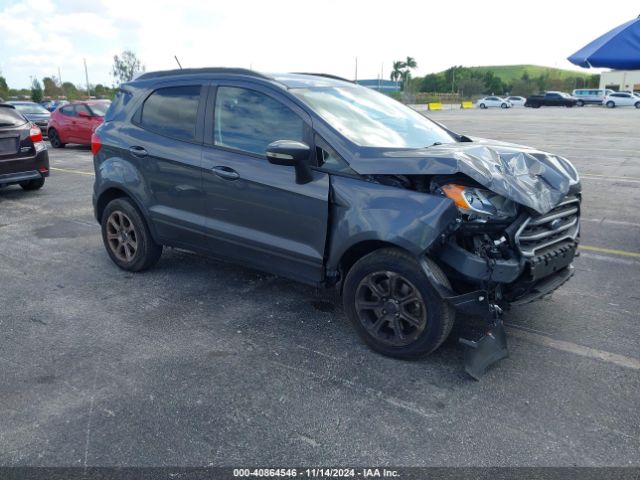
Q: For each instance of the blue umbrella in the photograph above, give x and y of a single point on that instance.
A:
(619, 49)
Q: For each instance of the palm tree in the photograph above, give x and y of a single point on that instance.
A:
(411, 62)
(396, 73)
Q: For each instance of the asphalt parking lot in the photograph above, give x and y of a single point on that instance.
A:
(198, 362)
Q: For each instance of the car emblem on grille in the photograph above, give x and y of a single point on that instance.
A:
(555, 224)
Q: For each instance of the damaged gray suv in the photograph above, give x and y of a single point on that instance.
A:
(332, 184)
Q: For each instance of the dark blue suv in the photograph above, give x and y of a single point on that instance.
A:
(332, 184)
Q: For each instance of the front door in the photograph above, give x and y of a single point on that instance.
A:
(256, 212)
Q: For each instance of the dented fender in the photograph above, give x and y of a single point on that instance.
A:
(363, 211)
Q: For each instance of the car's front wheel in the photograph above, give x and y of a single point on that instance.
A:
(580, 103)
(482, 105)
(127, 238)
(504, 105)
(54, 138)
(611, 104)
(637, 104)
(393, 307)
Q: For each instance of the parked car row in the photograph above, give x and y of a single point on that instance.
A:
(580, 97)
(499, 102)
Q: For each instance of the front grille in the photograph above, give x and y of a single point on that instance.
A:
(547, 231)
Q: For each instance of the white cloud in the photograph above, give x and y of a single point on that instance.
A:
(286, 35)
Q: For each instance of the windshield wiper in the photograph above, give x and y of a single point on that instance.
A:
(434, 144)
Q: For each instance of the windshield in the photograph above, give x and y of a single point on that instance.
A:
(99, 109)
(31, 108)
(10, 118)
(371, 119)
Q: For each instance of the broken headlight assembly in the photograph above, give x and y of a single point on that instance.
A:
(479, 204)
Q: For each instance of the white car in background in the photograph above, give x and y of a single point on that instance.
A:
(516, 101)
(621, 99)
(488, 102)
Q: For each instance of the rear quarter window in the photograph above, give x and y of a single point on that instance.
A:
(117, 107)
(172, 112)
(10, 117)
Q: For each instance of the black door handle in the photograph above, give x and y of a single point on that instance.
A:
(137, 151)
(226, 173)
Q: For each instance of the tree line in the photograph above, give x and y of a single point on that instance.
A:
(125, 66)
(469, 82)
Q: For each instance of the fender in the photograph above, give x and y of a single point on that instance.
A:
(120, 174)
(362, 211)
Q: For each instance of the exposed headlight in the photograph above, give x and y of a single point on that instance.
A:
(478, 202)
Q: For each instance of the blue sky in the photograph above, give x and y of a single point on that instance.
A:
(38, 37)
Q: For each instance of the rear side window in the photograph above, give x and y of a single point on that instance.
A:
(172, 112)
(69, 111)
(10, 117)
(249, 121)
(116, 109)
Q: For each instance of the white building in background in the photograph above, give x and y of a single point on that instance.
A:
(621, 80)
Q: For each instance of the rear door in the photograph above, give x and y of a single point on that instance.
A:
(256, 213)
(164, 141)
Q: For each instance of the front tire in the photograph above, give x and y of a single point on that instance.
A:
(127, 238)
(36, 184)
(483, 106)
(637, 105)
(504, 105)
(611, 105)
(393, 307)
(580, 103)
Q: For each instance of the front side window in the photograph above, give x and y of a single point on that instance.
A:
(249, 121)
(372, 119)
(172, 111)
(99, 109)
(82, 108)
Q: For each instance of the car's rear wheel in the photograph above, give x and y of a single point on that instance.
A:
(127, 238)
(504, 105)
(33, 184)
(637, 104)
(482, 105)
(611, 104)
(393, 307)
(580, 103)
(54, 138)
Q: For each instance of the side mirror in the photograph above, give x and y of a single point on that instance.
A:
(291, 154)
(83, 114)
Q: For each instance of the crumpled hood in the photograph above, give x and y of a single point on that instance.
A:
(533, 178)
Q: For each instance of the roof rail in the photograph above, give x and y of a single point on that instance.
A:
(191, 71)
(326, 75)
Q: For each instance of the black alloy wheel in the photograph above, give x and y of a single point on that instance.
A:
(391, 308)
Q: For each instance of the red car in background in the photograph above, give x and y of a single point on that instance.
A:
(75, 122)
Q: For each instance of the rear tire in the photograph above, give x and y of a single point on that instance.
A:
(393, 307)
(637, 105)
(127, 238)
(580, 103)
(36, 184)
(611, 105)
(482, 105)
(54, 138)
(504, 105)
